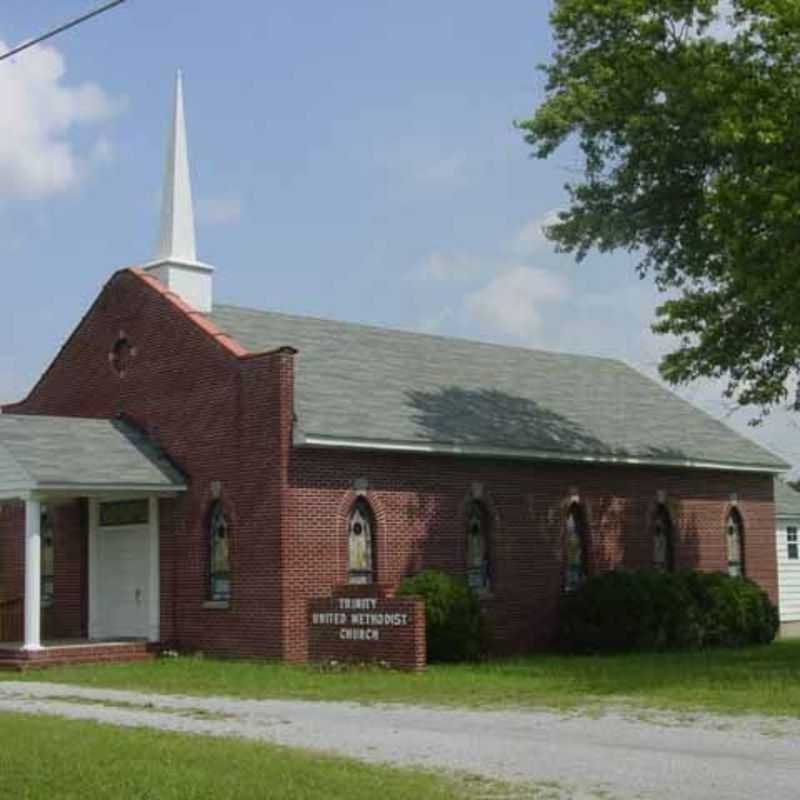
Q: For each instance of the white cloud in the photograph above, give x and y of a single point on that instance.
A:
(103, 151)
(449, 267)
(37, 114)
(531, 238)
(453, 267)
(618, 324)
(512, 303)
(446, 171)
(413, 160)
(435, 322)
(222, 210)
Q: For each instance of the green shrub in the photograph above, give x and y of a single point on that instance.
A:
(648, 609)
(453, 620)
(734, 611)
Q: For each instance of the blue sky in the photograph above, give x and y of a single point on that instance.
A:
(355, 160)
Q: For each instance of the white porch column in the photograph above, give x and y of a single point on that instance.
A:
(33, 574)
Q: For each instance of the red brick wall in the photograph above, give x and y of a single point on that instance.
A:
(419, 507)
(66, 618)
(12, 575)
(219, 417)
(12, 552)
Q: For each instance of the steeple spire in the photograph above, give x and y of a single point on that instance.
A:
(176, 242)
(176, 263)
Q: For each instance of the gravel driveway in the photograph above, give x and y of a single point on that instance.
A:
(624, 754)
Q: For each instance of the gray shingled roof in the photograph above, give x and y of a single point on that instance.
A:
(39, 452)
(787, 500)
(359, 384)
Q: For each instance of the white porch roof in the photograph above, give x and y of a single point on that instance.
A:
(44, 455)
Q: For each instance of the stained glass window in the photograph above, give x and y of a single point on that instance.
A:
(735, 541)
(360, 545)
(662, 540)
(219, 555)
(478, 561)
(47, 559)
(575, 546)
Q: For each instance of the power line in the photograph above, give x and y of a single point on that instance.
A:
(60, 29)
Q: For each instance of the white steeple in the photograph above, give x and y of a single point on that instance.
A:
(176, 264)
(177, 216)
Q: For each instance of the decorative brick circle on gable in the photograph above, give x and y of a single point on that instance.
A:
(121, 355)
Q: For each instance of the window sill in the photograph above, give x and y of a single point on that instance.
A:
(220, 605)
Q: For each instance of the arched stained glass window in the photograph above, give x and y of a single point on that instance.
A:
(662, 540)
(575, 548)
(360, 545)
(478, 557)
(735, 544)
(47, 559)
(219, 554)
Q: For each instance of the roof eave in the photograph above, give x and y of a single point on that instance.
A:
(15, 491)
(112, 487)
(480, 451)
(43, 489)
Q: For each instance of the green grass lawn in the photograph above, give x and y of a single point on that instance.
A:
(758, 680)
(44, 757)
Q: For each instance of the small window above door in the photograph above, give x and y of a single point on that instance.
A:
(124, 512)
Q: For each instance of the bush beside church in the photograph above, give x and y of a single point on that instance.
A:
(649, 609)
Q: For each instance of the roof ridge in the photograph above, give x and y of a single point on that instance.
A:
(225, 340)
(422, 334)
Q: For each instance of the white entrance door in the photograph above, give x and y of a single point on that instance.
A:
(122, 564)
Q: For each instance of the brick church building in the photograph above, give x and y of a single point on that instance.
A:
(192, 474)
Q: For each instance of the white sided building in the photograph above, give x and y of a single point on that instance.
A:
(787, 521)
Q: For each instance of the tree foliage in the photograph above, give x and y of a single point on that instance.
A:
(690, 140)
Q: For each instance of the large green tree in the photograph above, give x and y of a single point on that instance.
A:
(690, 138)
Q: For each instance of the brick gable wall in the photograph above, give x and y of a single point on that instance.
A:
(222, 417)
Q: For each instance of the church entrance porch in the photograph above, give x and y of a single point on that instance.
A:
(118, 593)
(81, 524)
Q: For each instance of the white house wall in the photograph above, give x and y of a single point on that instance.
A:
(788, 572)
